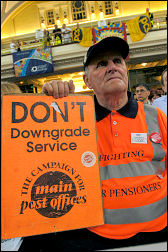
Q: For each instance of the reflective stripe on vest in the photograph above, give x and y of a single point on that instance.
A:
(153, 126)
(133, 169)
(136, 215)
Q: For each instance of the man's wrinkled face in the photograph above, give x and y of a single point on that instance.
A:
(107, 74)
(142, 94)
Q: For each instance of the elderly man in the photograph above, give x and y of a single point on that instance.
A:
(142, 92)
(132, 151)
(161, 102)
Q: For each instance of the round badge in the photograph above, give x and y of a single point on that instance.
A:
(88, 159)
(155, 137)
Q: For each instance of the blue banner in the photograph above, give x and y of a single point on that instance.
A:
(33, 62)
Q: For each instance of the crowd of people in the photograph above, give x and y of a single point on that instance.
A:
(148, 95)
(17, 46)
(57, 36)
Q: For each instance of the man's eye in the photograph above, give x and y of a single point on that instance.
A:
(117, 61)
(101, 63)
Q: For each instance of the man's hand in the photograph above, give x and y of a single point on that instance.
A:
(58, 88)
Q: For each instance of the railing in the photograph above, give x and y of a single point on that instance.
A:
(159, 23)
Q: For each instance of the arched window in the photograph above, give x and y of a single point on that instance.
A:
(78, 10)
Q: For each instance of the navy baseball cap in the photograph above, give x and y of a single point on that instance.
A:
(105, 45)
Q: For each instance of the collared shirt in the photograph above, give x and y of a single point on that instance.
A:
(129, 110)
(161, 103)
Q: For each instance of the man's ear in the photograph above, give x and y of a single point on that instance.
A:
(86, 80)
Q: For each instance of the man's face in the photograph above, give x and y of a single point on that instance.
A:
(107, 74)
(142, 94)
(165, 82)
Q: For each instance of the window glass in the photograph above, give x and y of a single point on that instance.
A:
(78, 10)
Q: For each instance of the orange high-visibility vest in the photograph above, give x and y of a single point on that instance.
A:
(133, 173)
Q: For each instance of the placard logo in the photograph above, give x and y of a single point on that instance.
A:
(54, 193)
(59, 192)
(88, 159)
(34, 69)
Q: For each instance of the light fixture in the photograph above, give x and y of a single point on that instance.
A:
(66, 20)
(21, 82)
(116, 8)
(42, 19)
(93, 16)
(81, 73)
(117, 12)
(42, 23)
(116, 4)
(101, 15)
(43, 26)
(58, 22)
(144, 64)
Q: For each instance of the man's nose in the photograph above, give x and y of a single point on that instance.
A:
(111, 66)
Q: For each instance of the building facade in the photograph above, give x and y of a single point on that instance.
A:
(21, 20)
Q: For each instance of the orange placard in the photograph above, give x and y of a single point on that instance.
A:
(50, 171)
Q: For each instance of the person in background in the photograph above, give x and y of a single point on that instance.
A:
(13, 46)
(46, 38)
(18, 46)
(14, 243)
(132, 146)
(57, 35)
(161, 102)
(142, 92)
(22, 43)
(154, 97)
(160, 91)
(9, 88)
(151, 17)
(67, 34)
(101, 23)
(77, 26)
(77, 34)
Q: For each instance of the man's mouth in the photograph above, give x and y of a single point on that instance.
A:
(113, 78)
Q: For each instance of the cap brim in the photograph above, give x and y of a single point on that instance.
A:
(107, 44)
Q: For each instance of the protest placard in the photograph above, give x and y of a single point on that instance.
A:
(50, 172)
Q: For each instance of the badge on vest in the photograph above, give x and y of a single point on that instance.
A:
(140, 138)
(155, 137)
